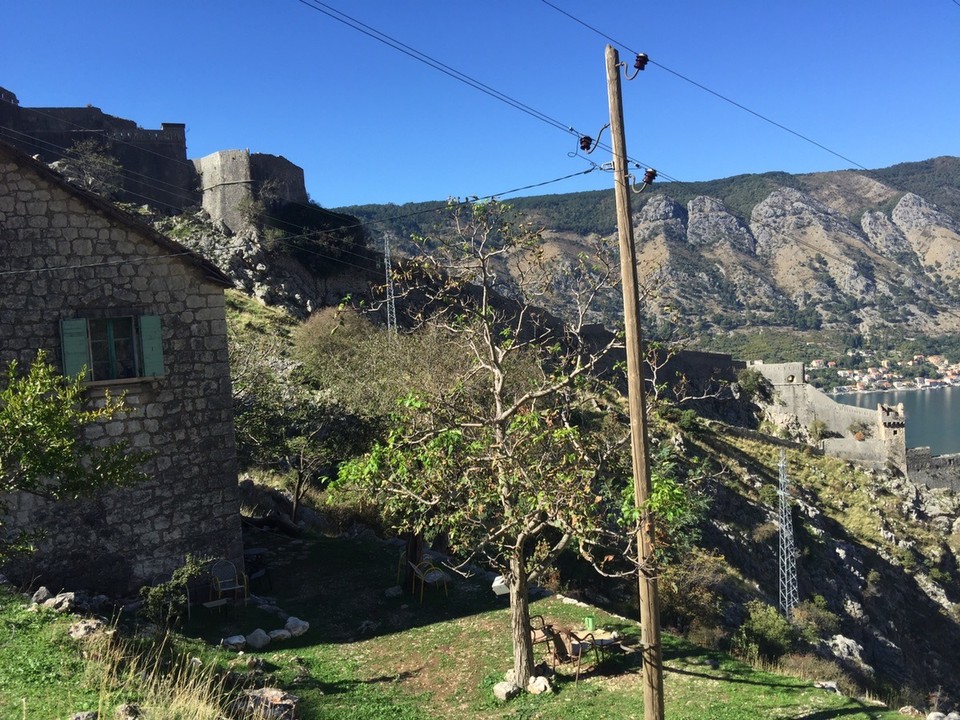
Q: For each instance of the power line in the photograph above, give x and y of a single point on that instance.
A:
(287, 240)
(426, 59)
(41, 144)
(707, 89)
(307, 232)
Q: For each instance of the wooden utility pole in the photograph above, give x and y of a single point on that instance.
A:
(652, 651)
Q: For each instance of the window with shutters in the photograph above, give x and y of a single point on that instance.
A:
(112, 348)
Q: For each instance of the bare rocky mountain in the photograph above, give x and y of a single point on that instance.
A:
(853, 251)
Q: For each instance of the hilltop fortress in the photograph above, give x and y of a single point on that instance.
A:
(155, 168)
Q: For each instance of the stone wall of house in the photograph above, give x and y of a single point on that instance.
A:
(71, 257)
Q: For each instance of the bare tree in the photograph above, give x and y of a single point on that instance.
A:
(517, 457)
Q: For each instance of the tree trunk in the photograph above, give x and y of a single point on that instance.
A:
(520, 622)
(298, 487)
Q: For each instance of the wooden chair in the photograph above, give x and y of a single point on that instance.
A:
(224, 578)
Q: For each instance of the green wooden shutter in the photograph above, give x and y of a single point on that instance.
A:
(76, 347)
(151, 346)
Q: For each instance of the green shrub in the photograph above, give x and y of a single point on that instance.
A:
(754, 385)
(859, 428)
(818, 430)
(814, 621)
(906, 557)
(764, 634)
(770, 496)
(164, 603)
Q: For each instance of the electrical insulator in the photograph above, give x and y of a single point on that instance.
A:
(585, 142)
(641, 62)
(649, 176)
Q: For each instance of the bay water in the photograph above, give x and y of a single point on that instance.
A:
(933, 416)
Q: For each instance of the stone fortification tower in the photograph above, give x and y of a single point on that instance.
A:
(892, 429)
(233, 180)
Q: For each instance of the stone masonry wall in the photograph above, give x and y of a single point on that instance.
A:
(934, 471)
(232, 179)
(72, 258)
(226, 183)
(155, 165)
(808, 404)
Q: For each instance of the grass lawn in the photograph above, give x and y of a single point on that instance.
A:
(367, 656)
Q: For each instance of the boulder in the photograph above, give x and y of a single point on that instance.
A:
(86, 628)
(64, 602)
(41, 595)
(538, 685)
(129, 711)
(258, 639)
(296, 626)
(234, 642)
(279, 635)
(269, 704)
(504, 691)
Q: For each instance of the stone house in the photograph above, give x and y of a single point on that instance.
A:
(95, 288)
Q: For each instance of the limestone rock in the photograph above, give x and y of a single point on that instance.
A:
(234, 642)
(709, 222)
(504, 691)
(41, 595)
(258, 639)
(280, 635)
(85, 628)
(64, 602)
(129, 711)
(296, 626)
(269, 704)
(539, 685)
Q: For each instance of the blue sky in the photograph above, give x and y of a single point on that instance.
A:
(875, 81)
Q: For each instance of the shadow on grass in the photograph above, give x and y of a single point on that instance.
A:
(841, 712)
(339, 586)
(344, 687)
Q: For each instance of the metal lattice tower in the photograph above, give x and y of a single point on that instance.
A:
(788, 552)
(391, 305)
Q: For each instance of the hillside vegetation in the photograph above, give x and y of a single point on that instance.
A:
(857, 253)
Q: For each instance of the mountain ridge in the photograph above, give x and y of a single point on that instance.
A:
(857, 252)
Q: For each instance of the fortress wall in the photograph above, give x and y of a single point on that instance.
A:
(869, 452)
(154, 162)
(286, 177)
(227, 186)
(934, 471)
(886, 441)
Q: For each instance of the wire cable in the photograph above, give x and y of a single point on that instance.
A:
(716, 94)
(426, 59)
(287, 239)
